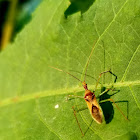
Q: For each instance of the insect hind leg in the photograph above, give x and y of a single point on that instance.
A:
(111, 100)
(74, 111)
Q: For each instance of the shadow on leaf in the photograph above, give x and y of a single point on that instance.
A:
(78, 6)
(107, 106)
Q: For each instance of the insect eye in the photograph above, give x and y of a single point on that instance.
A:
(85, 97)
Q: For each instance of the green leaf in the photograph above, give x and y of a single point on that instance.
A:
(33, 101)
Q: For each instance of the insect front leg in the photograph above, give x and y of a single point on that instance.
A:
(75, 96)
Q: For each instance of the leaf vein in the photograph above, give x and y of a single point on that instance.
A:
(124, 75)
(47, 93)
(134, 96)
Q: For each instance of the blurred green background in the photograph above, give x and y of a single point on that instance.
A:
(14, 15)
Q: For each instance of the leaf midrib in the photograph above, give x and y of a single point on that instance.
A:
(63, 91)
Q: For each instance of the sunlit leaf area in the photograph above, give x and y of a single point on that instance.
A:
(61, 38)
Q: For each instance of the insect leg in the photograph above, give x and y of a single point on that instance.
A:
(111, 100)
(74, 111)
(101, 75)
(76, 96)
(105, 92)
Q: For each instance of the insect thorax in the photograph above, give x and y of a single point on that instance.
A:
(89, 96)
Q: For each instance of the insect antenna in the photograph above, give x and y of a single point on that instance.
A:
(66, 73)
(89, 60)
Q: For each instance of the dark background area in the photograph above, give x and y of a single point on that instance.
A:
(14, 15)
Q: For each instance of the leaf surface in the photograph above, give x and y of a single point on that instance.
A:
(33, 96)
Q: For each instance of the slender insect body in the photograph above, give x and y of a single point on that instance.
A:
(93, 106)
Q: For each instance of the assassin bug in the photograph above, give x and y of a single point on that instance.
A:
(92, 103)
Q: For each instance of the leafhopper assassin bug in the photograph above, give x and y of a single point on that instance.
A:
(89, 97)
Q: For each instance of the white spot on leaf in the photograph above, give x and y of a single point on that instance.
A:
(56, 106)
